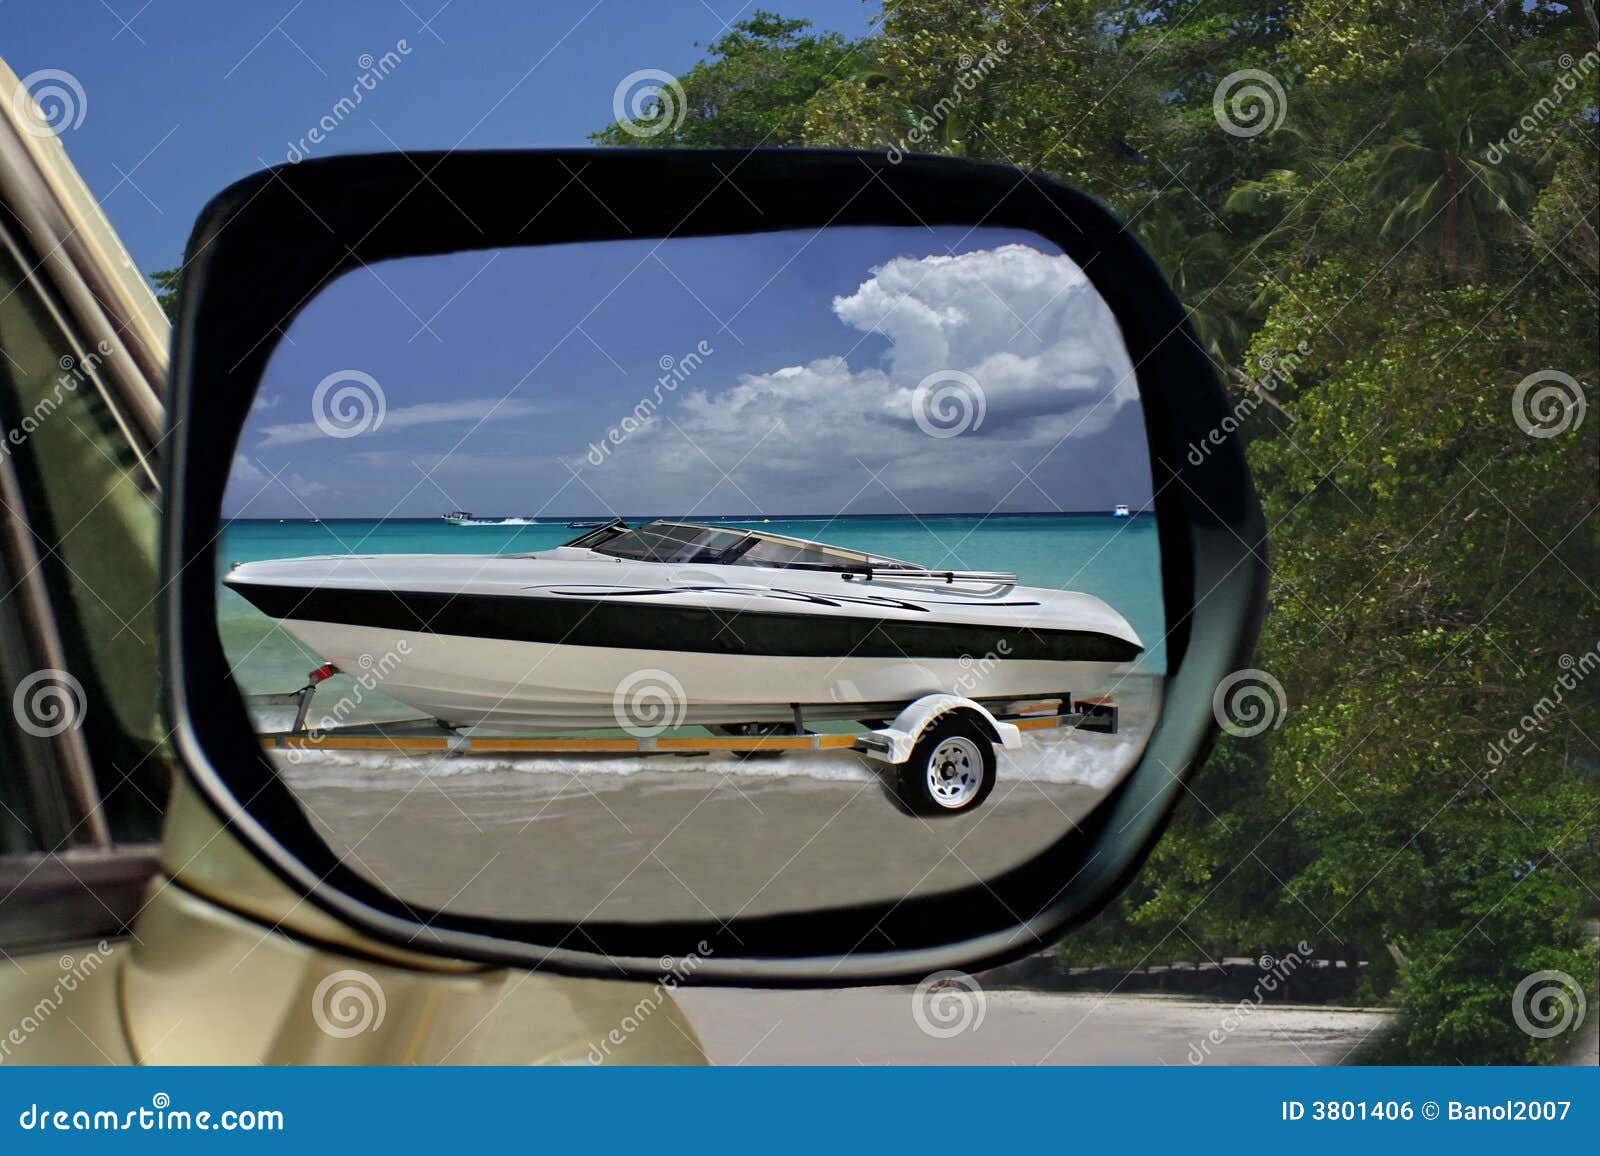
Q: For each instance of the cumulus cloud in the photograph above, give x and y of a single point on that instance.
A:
(246, 473)
(1039, 349)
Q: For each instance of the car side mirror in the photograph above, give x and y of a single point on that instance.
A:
(811, 565)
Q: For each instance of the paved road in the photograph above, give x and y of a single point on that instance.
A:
(878, 1026)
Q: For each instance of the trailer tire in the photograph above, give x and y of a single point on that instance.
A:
(951, 769)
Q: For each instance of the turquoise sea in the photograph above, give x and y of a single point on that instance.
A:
(1117, 559)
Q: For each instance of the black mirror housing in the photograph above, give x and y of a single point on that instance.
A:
(263, 248)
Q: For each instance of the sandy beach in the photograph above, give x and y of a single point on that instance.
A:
(608, 837)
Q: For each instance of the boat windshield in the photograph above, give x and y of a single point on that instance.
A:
(727, 546)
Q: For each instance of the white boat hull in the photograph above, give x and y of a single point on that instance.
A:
(534, 685)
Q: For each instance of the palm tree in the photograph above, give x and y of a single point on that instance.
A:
(1193, 263)
(1435, 172)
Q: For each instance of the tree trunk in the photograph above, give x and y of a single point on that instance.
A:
(1452, 241)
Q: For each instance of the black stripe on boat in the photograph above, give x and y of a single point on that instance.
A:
(608, 623)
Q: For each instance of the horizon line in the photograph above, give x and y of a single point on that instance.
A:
(554, 519)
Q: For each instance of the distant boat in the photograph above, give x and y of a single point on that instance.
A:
(1121, 511)
(589, 525)
(466, 518)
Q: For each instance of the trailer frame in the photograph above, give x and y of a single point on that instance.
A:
(886, 744)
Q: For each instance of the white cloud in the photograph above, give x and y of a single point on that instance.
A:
(1028, 327)
(246, 473)
(466, 411)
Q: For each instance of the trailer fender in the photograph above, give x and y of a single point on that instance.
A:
(893, 744)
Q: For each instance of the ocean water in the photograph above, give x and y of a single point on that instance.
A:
(1117, 559)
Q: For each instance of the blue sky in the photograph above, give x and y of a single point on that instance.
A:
(177, 98)
(768, 374)
(182, 97)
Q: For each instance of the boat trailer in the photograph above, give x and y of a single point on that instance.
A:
(941, 747)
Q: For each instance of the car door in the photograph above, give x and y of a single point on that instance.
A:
(133, 928)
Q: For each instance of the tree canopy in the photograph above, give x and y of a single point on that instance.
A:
(1404, 197)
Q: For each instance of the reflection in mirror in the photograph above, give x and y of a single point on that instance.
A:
(698, 578)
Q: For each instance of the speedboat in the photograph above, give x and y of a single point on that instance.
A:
(702, 625)
(466, 518)
(1120, 510)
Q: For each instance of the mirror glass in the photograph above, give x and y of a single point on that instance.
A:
(699, 577)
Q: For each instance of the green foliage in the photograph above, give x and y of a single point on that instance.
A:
(167, 283)
(751, 91)
(1436, 169)
(1401, 264)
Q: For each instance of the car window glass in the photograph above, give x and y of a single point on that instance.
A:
(92, 510)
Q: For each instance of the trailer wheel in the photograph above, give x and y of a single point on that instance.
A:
(951, 769)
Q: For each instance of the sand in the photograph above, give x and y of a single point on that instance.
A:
(607, 837)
